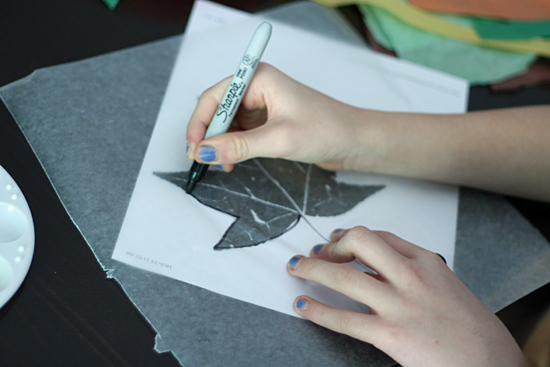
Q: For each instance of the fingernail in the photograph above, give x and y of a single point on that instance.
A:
(207, 153)
(336, 234)
(301, 304)
(293, 263)
(316, 249)
(220, 166)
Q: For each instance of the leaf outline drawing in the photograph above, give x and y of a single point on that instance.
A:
(268, 197)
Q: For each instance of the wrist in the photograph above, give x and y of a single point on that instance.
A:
(404, 144)
(375, 143)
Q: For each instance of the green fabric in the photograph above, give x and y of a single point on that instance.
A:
(476, 64)
(111, 4)
(510, 30)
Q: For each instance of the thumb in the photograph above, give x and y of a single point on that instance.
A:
(270, 140)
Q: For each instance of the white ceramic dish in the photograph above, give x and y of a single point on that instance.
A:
(16, 237)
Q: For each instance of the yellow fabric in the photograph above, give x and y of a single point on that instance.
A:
(537, 347)
(504, 9)
(437, 25)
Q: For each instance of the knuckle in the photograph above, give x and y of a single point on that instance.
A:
(263, 66)
(240, 149)
(389, 335)
(385, 234)
(351, 242)
(267, 70)
(357, 235)
(215, 92)
(343, 275)
(434, 259)
(207, 93)
(411, 277)
(343, 321)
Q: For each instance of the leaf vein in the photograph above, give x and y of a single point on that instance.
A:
(253, 198)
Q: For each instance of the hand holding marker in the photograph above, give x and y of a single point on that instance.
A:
(233, 96)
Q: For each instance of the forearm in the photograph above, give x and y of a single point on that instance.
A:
(506, 151)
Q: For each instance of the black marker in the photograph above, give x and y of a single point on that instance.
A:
(233, 96)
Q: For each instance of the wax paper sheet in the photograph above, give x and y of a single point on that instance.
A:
(89, 123)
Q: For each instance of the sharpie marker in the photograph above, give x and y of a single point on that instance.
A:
(233, 96)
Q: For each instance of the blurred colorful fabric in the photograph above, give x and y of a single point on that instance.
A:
(503, 9)
(479, 48)
(111, 4)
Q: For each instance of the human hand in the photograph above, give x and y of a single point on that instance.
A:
(421, 314)
(278, 118)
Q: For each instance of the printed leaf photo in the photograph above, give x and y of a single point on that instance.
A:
(268, 197)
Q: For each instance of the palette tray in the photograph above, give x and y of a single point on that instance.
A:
(16, 237)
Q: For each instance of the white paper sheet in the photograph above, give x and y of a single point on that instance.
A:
(207, 15)
(168, 232)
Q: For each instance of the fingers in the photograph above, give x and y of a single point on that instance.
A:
(203, 113)
(238, 144)
(409, 312)
(354, 324)
(366, 246)
(326, 267)
(270, 141)
(403, 247)
(251, 115)
(388, 255)
(276, 119)
(345, 279)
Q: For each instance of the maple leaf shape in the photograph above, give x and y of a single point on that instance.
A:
(269, 196)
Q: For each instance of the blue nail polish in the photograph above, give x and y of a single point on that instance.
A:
(316, 249)
(293, 263)
(207, 153)
(301, 304)
(338, 230)
(220, 166)
(187, 149)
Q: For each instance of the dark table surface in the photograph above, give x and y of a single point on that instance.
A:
(67, 312)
